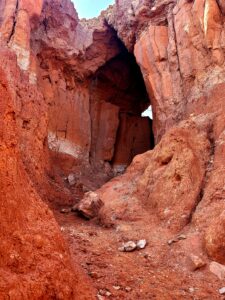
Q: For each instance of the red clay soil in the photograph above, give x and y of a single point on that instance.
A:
(60, 117)
(158, 272)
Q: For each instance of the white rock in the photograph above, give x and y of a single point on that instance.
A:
(128, 247)
(182, 237)
(222, 291)
(141, 244)
(65, 210)
(104, 293)
(116, 287)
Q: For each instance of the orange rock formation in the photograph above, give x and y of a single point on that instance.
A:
(72, 95)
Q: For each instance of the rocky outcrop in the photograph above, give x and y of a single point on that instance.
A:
(50, 63)
(168, 180)
(73, 92)
(179, 49)
(131, 18)
(35, 262)
(186, 57)
(182, 61)
(76, 62)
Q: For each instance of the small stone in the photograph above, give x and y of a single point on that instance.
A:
(89, 206)
(196, 262)
(191, 290)
(222, 291)
(65, 210)
(116, 287)
(71, 179)
(100, 297)
(182, 237)
(170, 242)
(128, 289)
(177, 239)
(104, 293)
(128, 247)
(141, 244)
(121, 249)
(217, 269)
(108, 294)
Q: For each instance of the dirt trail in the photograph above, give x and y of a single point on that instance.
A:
(158, 272)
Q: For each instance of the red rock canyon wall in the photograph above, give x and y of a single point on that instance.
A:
(72, 95)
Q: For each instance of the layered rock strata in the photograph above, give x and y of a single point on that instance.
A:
(72, 95)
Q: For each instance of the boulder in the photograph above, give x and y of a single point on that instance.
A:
(89, 206)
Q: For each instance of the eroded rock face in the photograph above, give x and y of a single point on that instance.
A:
(171, 176)
(72, 95)
(180, 52)
(35, 262)
(179, 47)
(49, 63)
(136, 16)
(77, 63)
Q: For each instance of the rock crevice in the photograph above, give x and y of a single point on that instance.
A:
(72, 97)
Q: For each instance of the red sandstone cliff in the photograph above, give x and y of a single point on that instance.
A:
(72, 95)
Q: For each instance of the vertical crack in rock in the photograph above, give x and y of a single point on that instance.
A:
(14, 22)
(175, 42)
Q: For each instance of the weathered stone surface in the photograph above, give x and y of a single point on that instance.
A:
(181, 60)
(196, 262)
(105, 120)
(89, 206)
(71, 95)
(141, 244)
(173, 179)
(35, 262)
(215, 239)
(217, 269)
(128, 247)
(170, 177)
(222, 291)
(135, 16)
(134, 137)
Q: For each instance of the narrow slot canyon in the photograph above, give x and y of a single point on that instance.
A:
(112, 142)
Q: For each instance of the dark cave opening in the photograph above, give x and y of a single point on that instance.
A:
(118, 97)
